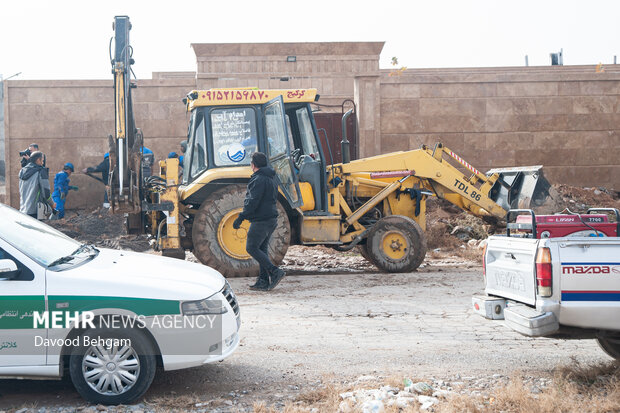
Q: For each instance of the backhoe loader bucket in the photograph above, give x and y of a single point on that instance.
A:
(519, 188)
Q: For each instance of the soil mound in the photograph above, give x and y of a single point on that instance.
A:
(100, 228)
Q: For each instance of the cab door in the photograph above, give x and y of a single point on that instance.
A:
(279, 151)
(20, 343)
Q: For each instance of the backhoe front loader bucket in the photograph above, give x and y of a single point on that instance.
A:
(520, 187)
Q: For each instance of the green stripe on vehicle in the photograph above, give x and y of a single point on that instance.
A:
(139, 306)
(16, 312)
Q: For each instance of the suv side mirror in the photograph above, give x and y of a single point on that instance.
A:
(8, 269)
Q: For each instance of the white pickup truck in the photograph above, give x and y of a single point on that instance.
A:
(559, 287)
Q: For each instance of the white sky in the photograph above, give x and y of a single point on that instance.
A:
(66, 39)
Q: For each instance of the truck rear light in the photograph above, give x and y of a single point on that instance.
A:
(484, 263)
(543, 272)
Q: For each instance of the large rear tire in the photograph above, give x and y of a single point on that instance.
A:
(218, 245)
(396, 243)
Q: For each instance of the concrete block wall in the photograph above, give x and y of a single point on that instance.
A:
(565, 118)
(329, 67)
(70, 120)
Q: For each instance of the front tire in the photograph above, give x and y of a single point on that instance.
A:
(396, 243)
(218, 245)
(113, 375)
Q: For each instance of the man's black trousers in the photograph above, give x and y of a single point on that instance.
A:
(257, 244)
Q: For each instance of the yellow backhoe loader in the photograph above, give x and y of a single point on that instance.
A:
(376, 203)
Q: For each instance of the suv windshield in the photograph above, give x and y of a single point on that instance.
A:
(40, 242)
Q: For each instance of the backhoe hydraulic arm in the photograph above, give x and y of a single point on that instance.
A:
(126, 143)
(448, 176)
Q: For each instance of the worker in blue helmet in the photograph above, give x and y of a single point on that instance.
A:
(61, 189)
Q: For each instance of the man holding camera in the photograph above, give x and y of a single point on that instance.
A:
(28, 152)
(34, 185)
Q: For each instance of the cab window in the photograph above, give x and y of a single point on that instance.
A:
(306, 134)
(275, 133)
(199, 148)
(234, 136)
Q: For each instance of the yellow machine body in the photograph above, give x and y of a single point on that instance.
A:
(355, 194)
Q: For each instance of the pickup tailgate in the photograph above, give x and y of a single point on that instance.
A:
(589, 282)
(510, 268)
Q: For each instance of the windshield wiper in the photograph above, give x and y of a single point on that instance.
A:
(61, 260)
(84, 248)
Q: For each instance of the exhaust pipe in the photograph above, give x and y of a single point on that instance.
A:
(520, 187)
(344, 144)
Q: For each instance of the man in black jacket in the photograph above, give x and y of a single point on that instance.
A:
(259, 207)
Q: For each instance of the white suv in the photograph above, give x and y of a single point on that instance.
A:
(106, 317)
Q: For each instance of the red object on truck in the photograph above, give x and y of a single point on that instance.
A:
(585, 225)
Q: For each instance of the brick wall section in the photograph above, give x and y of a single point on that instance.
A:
(70, 120)
(565, 118)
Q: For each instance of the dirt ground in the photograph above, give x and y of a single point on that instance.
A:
(336, 328)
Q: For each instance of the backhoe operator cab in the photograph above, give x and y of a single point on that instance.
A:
(226, 126)
(225, 136)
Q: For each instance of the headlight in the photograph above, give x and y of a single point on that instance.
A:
(206, 306)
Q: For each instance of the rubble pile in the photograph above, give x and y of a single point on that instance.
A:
(449, 228)
(300, 259)
(579, 200)
(418, 394)
(428, 395)
(100, 228)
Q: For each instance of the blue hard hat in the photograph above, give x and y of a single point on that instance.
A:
(69, 165)
(106, 155)
(172, 155)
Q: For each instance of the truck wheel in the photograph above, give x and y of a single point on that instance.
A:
(112, 374)
(610, 345)
(218, 245)
(396, 243)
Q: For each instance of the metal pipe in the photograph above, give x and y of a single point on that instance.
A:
(344, 144)
(353, 243)
(121, 170)
(372, 202)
